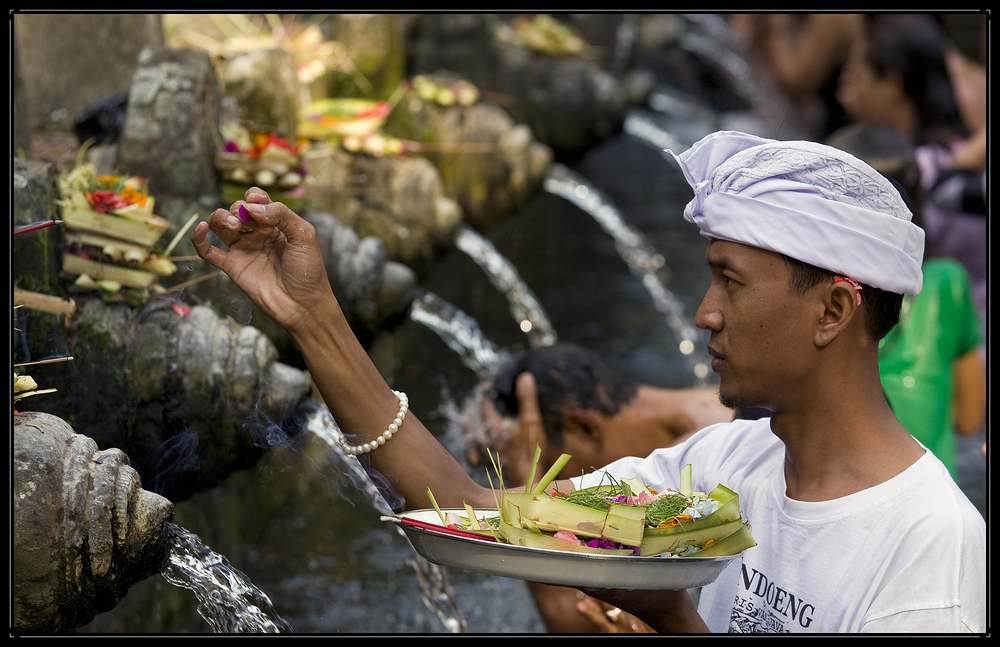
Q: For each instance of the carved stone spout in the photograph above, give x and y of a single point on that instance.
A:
(84, 529)
(188, 395)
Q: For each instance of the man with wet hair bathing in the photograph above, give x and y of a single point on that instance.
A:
(859, 528)
(589, 408)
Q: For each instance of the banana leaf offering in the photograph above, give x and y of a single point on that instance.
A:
(253, 156)
(624, 518)
(111, 233)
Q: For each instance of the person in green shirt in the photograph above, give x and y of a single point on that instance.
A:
(921, 359)
(930, 363)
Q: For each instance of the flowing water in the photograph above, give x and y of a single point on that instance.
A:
(227, 600)
(433, 578)
(460, 332)
(527, 312)
(640, 257)
(710, 37)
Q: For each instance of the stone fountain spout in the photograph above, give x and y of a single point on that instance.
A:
(84, 529)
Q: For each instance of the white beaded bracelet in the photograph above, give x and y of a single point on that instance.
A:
(353, 450)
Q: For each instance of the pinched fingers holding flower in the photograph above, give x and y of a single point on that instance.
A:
(272, 256)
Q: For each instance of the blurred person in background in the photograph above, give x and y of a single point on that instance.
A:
(930, 362)
(590, 409)
(957, 195)
(805, 53)
(898, 77)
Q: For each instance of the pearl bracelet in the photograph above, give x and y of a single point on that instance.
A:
(353, 450)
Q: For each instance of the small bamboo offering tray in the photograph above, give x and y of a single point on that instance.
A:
(111, 232)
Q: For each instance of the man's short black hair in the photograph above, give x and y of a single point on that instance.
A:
(881, 307)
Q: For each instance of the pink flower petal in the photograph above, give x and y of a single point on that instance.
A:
(567, 536)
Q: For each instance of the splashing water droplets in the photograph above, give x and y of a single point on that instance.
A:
(227, 600)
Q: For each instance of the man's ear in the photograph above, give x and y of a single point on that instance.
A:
(840, 307)
(584, 426)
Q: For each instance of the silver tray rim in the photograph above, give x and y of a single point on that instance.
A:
(555, 566)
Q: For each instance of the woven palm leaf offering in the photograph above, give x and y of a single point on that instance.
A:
(352, 124)
(112, 234)
(544, 34)
(623, 518)
(24, 387)
(356, 125)
(444, 90)
(257, 157)
(342, 117)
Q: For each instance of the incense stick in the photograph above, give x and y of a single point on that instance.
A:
(180, 234)
(45, 361)
(23, 229)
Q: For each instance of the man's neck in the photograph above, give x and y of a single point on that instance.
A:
(846, 440)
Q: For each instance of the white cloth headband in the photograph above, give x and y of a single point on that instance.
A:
(811, 202)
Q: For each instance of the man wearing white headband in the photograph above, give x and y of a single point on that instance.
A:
(805, 200)
(858, 527)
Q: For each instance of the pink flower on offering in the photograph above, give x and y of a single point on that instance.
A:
(645, 498)
(567, 536)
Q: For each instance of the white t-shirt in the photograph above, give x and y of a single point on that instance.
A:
(908, 555)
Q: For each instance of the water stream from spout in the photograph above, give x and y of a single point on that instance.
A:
(642, 260)
(435, 587)
(460, 332)
(523, 305)
(227, 600)
(645, 129)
